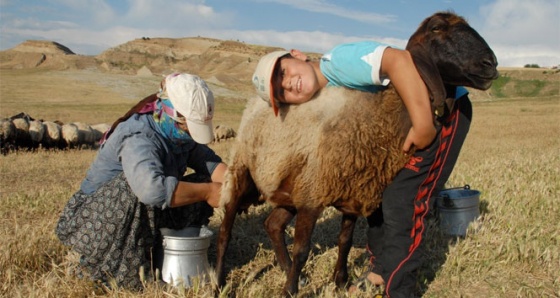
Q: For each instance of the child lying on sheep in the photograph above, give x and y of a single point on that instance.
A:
(367, 66)
(397, 227)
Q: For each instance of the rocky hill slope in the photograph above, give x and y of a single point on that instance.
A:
(224, 63)
(227, 63)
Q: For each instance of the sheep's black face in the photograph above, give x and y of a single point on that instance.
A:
(462, 56)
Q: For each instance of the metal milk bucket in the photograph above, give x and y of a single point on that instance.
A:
(456, 209)
(185, 255)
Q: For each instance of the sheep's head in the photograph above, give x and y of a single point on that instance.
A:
(459, 53)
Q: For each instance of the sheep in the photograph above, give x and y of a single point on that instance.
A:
(86, 136)
(22, 115)
(70, 135)
(340, 149)
(222, 133)
(7, 135)
(53, 135)
(99, 130)
(36, 133)
(23, 140)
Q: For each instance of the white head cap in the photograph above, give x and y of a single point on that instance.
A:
(262, 78)
(191, 97)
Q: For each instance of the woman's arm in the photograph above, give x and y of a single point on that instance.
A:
(219, 172)
(188, 192)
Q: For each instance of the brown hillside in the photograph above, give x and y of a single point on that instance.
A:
(42, 46)
(44, 54)
(226, 64)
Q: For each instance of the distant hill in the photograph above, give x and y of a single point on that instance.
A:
(222, 63)
(228, 63)
(44, 54)
(45, 47)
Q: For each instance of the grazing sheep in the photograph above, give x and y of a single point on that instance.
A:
(7, 135)
(53, 135)
(23, 140)
(99, 130)
(70, 135)
(222, 133)
(36, 133)
(22, 115)
(86, 137)
(341, 149)
(21, 121)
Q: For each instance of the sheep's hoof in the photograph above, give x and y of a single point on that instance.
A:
(303, 281)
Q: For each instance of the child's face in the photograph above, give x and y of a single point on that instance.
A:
(296, 82)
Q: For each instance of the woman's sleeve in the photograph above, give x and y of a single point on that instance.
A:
(203, 160)
(143, 168)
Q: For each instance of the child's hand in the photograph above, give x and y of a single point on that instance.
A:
(420, 138)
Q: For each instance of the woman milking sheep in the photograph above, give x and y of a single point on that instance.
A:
(136, 184)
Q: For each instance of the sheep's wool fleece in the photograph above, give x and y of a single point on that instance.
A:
(343, 146)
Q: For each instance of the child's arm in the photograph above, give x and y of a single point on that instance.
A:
(399, 67)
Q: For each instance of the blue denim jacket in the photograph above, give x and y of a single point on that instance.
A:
(150, 166)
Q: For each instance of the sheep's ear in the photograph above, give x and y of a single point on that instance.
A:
(431, 76)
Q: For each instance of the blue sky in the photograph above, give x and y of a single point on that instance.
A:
(519, 31)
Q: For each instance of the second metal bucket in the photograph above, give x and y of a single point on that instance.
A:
(457, 208)
(185, 255)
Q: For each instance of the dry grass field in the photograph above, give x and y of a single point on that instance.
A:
(512, 156)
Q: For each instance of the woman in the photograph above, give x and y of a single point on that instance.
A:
(136, 183)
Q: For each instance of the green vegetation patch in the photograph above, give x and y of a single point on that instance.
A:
(506, 86)
(499, 84)
(529, 88)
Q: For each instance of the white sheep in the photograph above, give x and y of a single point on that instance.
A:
(36, 132)
(53, 135)
(99, 130)
(23, 139)
(7, 135)
(340, 149)
(222, 133)
(70, 135)
(86, 137)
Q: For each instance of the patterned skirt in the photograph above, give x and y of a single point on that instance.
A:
(117, 236)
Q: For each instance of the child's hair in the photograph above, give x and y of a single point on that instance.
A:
(277, 78)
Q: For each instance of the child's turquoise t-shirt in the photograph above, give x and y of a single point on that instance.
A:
(357, 65)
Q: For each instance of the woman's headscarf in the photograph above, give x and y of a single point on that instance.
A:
(168, 120)
(166, 116)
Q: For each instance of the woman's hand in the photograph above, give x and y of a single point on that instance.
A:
(213, 198)
(189, 193)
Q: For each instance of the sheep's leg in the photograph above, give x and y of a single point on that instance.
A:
(348, 224)
(224, 237)
(305, 223)
(275, 226)
(238, 188)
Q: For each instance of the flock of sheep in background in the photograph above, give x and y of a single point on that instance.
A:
(23, 132)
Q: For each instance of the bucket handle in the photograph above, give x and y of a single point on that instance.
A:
(460, 187)
(446, 200)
